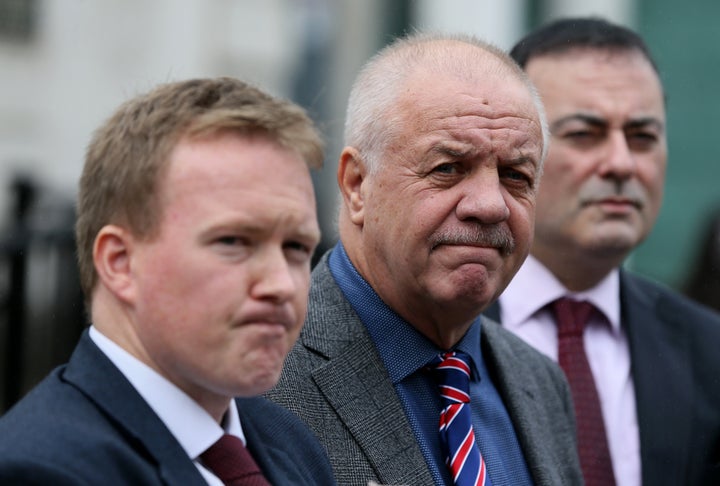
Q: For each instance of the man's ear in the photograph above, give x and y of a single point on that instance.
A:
(351, 175)
(112, 254)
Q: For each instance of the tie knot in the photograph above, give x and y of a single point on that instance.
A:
(230, 461)
(572, 315)
(453, 372)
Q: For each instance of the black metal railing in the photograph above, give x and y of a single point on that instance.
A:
(41, 306)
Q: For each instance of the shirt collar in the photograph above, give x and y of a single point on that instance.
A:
(192, 426)
(390, 333)
(534, 286)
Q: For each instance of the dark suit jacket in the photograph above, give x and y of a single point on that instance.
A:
(85, 424)
(334, 379)
(675, 363)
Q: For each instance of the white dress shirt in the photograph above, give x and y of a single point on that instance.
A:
(193, 427)
(524, 312)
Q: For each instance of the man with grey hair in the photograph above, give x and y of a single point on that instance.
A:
(394, 370)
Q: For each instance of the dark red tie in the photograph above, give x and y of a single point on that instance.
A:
(572, 316)
(230, 461)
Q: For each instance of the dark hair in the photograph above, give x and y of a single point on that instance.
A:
(562, 35)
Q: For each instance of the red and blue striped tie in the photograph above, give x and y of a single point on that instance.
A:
(462, 455)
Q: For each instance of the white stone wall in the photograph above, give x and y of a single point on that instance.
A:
(89, 55)
(497, 21)
(621, 11)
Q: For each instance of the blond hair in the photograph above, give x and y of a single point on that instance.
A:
(129, 153)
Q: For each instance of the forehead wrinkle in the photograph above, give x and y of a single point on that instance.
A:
(487, 143)
(493, 98)
(455, 148)
(507, 127)
(479, 123)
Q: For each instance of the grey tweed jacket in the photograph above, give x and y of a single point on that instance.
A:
(335, 381)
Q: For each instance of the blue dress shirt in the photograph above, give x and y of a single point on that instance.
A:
(406, 354)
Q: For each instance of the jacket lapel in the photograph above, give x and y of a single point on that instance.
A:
(523, 389)
(265, 444)
(659, 350)
(357, 386)
(662, 378)
(95, 376)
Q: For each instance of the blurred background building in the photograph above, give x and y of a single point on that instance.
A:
(66, 64)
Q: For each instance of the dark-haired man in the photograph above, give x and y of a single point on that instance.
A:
(644, 368)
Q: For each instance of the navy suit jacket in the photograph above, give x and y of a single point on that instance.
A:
(675, 363)
(86, 424)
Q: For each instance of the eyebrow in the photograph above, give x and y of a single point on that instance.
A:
(597, 121)
(521, 160)
(253, 228)
(645, 122)
(458, 151)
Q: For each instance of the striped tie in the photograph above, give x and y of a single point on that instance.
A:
(462, 455)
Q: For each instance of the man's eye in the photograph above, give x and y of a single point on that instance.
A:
(580, 135)
(297, 246)
(229, 240)
(641, 140)
(516, 177)
(514, 174)
(232, 245)
(644, 136)
(582, 138)
(299, 252)
(446, 168)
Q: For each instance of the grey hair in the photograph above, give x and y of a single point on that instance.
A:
(371, 120)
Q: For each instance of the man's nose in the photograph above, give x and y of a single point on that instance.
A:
(619, 162)
(483, 198)
(272, 276)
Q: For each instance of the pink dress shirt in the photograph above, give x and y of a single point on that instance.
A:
(524, 313)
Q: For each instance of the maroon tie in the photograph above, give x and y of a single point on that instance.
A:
(230, 461)
(572, 316)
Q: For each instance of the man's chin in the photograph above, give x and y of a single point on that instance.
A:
(471, 294)
(614, 244)
(457, 256)
(258, 385)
